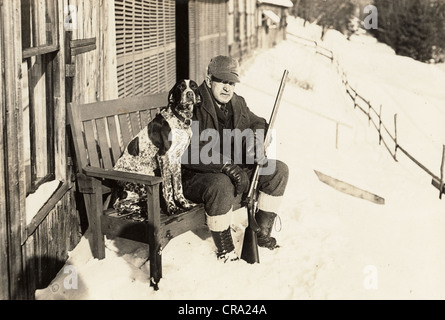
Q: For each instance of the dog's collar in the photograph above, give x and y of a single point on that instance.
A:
(186, 121)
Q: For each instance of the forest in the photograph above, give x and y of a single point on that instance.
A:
(413, 28)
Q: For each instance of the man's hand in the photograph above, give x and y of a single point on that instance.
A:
(238, 176)
(255, 150)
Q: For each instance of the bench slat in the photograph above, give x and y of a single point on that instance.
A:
(77, 133)
(114, 138)
(145, 117)
(121, 176)
(91, 144)
(135, 123)
(124, 125)
(120, 106)
(102, 132)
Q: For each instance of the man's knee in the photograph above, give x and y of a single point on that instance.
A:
(275, 183)
(282, 170)
(219, 196)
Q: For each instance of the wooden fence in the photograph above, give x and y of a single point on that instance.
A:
(386, 137)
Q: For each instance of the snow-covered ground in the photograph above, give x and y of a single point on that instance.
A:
(333, 246)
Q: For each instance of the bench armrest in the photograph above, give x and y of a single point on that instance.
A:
(121, 176)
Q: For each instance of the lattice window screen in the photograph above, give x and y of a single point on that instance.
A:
(146, 46)
(208, 34)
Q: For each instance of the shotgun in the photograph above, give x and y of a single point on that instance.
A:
(249, 251)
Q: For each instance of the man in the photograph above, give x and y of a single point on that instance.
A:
(219, 177)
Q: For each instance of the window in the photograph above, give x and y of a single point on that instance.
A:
(40, 47)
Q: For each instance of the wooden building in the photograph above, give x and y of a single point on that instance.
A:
(242, 28)
(53, 52)
(272, 21)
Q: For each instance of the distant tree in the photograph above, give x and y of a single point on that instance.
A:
(328, 14)
(412, 28)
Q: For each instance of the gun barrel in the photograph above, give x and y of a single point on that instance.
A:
(275, 107)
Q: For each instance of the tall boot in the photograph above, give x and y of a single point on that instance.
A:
(224, 245)
(266, 220)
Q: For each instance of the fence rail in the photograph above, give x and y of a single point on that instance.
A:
(359, 100)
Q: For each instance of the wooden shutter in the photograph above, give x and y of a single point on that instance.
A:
(208, 34)
(145, 46)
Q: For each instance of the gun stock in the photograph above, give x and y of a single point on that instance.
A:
(249, 251)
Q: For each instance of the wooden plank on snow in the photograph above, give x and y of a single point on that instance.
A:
(349, 188)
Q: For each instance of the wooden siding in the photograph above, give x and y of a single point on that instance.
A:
(31, 255)
(242, 28)
(207, 34)
(46, 249)
(95, 71)
(268, 38)
(12, 170)
(4, 279)
(145, 46)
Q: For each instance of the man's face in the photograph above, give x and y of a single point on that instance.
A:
(222, 90)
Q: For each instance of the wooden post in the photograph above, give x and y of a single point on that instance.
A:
(442, 168)
(395, 137)
(14, 176)
(154, 235)
(380, 125)
(4, 277)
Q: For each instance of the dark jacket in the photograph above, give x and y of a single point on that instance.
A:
(205, 117)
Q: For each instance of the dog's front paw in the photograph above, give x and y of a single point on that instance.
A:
(186, 204)
(173, 209)
(190, 205)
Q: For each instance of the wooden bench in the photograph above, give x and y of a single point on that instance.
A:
(100, 132)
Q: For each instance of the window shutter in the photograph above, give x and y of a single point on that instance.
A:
(145, 46)
(208, 34)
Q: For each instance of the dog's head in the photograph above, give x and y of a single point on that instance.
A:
(184, 95)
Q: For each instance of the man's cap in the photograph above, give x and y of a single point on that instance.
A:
(224, 68)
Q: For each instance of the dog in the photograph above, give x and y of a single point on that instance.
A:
(157, 149)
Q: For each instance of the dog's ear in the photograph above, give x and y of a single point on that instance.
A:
(158, 132)
(171, 96)
(133, 147)
(198, 98)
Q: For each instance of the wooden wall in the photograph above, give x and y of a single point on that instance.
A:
(95, 71)
(207, 34)
(270, 37)
(242, 28)
(4, 279)
(12, 175)
(32, 254)
(46, 248)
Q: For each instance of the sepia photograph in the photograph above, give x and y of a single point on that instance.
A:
(223, 154)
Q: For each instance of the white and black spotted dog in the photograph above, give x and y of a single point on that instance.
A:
(159, 147)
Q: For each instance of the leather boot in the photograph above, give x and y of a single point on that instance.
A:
(265, 221)
(224, 245)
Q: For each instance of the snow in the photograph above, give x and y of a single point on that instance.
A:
(333, 246)
(35, 201)
(281, 3)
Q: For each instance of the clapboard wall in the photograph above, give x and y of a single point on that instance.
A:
(33, 251)
(207, 34)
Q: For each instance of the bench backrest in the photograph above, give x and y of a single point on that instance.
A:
(101, 130)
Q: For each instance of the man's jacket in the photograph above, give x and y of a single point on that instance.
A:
(205, 127)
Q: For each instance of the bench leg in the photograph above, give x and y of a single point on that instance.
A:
(154, 239)
(94, 208)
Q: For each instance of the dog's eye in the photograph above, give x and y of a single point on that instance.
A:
(193, 86)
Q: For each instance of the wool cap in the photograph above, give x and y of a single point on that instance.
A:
(224, 68)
